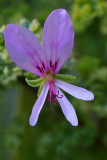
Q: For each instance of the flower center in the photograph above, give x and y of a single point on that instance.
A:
(52, 96)
(48, 75)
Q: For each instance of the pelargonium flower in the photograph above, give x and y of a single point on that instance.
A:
(46, 60)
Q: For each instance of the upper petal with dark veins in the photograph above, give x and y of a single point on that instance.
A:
(58, 38)
(24, 48)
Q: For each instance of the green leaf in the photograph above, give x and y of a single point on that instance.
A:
(16, 69)
(34, 83)
(64, 77)
(41, 87)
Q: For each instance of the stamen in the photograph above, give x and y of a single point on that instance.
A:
(52, 97)
(58, 96)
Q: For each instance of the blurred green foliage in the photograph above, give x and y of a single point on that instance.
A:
(85, 11)
(53, 137)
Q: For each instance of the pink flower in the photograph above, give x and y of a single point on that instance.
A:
(46, 59)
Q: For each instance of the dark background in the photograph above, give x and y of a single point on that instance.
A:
(53, 137)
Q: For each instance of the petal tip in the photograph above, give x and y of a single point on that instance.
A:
(73, 119)
(91, 96)
(9, 26)
(31, 123)
(32, 120)
(75, 124)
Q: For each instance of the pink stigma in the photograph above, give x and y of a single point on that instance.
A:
(52, 97)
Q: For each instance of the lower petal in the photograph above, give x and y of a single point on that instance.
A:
(38, 105)
(67, 108)
(75, 91)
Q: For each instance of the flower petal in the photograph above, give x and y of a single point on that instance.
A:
(75, 91)
(24, 48)
(38, 105)
(67, 108)
(58, 38)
